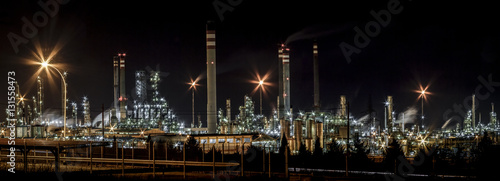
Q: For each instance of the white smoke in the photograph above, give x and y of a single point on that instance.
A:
(54, 119)
(364, 119)
(446, 123)
(107, 116)
(408, 116)
(316, 31)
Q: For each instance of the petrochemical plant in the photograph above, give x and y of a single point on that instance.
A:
(147, 114)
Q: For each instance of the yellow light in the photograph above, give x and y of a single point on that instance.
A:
(45, 64)
(261, 82)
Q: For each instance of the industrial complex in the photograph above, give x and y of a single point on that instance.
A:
(146, 115)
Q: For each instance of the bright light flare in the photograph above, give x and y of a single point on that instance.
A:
(261, 82)
(193, 83)
(43, 59)
(44, 64)
(423, 92)
(22, 99)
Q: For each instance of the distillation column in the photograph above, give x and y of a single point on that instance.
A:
(389, 114)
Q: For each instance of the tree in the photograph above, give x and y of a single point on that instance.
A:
(335, 155)
(318, 151)
(303, 157)
(359, 155)
(193, 149)
(485, 143)
(391, 156)
(283, 145)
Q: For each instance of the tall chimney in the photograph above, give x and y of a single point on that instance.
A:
(389, 114)
(343, 107)
(493, 117)
(286, 80)
(473, 113)
(316, 77)
(123, 95)
(280, 83)
(116, 82)
(211, 80)
(228, 110)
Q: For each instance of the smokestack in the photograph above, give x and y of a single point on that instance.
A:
(116, 82)
(286, 80)
(123, 95)
(389, 114)
(280, 82)
(493, 117)
(211, 80)
(343, 107)
(228, 110)
(473, 112)
(316, 77)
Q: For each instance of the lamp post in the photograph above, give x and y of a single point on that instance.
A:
(45, 65)
(422, 100)
(423, 92)
(193, 88)
(261, 84)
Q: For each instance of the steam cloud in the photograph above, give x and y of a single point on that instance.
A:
(316, 32)
(410, 116)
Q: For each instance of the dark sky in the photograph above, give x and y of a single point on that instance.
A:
(446, 44)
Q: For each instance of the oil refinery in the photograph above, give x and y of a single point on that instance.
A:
(143, 119)
(146, 113)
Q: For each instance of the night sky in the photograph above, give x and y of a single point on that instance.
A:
(446, 45)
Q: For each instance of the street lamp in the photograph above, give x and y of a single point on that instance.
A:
(46, 65)
(261, 84)
(193, 88)
(260, 81)
(423, 92)
(386, 103)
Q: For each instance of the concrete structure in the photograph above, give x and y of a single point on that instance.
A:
(211, 80)
(123, 94)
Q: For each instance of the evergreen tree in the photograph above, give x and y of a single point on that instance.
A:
(335, 155)
(283, 145)
(359, 155)
(303, 156)
(318, 151)
(485, 143)
(393, 151)
(193, 149)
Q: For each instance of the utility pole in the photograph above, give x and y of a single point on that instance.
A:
(347, 143)
(102, 122)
